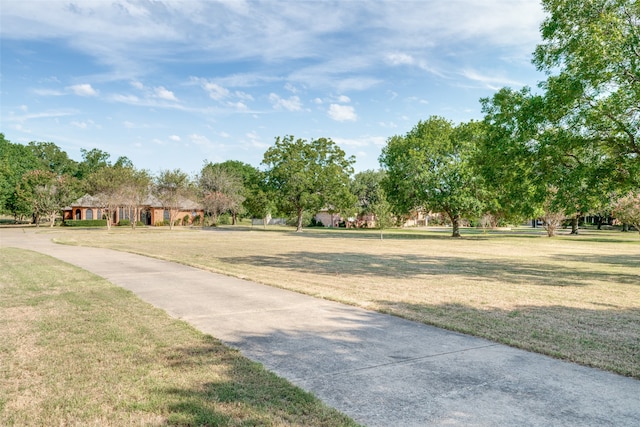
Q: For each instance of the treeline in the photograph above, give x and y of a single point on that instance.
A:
(568, 149)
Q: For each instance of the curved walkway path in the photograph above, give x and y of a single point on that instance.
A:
(378, 369)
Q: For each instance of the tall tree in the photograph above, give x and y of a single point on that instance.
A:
(92, 160)
(626, 209)
(172, 188)
(46, 193)
(108, 185)
(53, 158)
(431, 167)
(222, 188)
(367, 187)
(308, 175)
(591, 51)
(506, 156)
(136, 189)
(260, 200)
(15, 161)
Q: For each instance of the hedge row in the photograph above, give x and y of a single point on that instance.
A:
(86, 223)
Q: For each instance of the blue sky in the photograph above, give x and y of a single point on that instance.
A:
(170, 84)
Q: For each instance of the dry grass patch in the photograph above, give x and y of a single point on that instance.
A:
(76, 350)
(572, 297)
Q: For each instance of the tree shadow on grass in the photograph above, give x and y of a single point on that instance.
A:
(620, 260)
(374, 364)
(245, 394)
(412, 266)
(606, 338)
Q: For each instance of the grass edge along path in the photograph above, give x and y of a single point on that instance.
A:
(78, 350)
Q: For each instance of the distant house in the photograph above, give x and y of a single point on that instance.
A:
(151, 211)
(417, 218)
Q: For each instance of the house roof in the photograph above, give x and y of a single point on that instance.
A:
(88, 201)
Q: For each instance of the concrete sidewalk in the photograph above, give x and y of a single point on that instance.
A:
(378, 369)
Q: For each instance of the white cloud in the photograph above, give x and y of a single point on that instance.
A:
(44, 115)
(215, 91)
(255, 140)
(84, 89)
(47, 92)
(400, 59)
(493, 82)
(199, 139)
(239, 106)
(342, 113)
(344, 99)
(390, 125)
(128, 124)
(291, 104)
(243, 96)
(291, 88)
(175, 138)
(127, 99)
(84, 125)
(162, 93)
(137, 85)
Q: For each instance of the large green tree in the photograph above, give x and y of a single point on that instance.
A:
(53, 158)
(367, 187)
(308, 176)
(533, 165)
(221, 190)
(431, 167)
(591, 52)
(506, 155)
(45, 193)
(15, 161)
(92, 160)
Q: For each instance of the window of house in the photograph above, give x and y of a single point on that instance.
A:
(89, 213)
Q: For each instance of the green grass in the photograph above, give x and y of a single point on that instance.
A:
(77, 350)
(572, 297)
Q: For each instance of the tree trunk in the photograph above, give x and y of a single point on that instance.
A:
(134, 217)
(299, 225)
(574, 224)
(455, 222)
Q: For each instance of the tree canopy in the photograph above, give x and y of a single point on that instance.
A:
(430, 167)
(308, 175)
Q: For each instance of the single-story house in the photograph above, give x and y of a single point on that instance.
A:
(417, 218)
(151, 211)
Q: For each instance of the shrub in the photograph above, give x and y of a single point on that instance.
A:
(224, 219)
(124, 223)
(86, 223)
(185, 220)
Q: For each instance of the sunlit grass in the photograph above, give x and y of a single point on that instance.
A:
(572, 297)
(76, 350)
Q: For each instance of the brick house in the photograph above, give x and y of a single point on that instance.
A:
(151, 211)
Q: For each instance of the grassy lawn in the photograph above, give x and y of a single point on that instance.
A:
(571, 297)
(76, 350)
